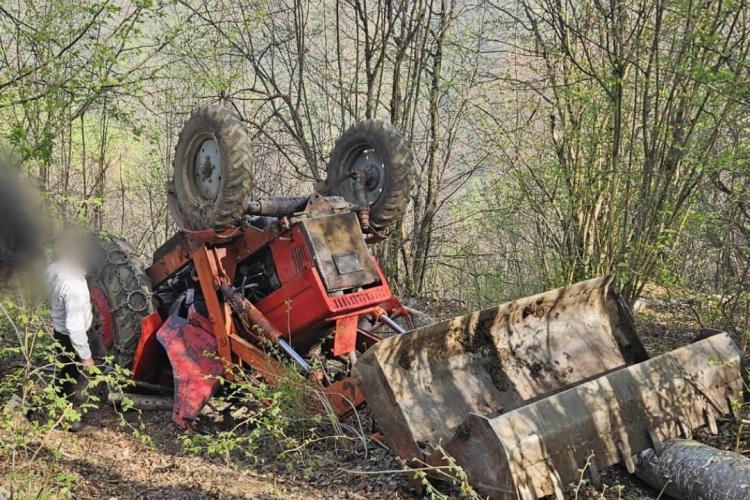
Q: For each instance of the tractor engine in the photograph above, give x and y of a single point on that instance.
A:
(311, 282)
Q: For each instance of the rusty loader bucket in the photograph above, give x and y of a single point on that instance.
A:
(528, 393)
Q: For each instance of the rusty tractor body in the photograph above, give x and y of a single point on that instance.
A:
(522, 395)
(301, 283)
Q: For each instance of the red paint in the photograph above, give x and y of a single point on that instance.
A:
(301, 308)
(149, 351)
(195, 364)
(345, 339)
(101, 304)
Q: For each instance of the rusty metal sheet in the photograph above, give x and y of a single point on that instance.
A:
(339, 251)
(538, 449)
(421, 386)
(522, 393)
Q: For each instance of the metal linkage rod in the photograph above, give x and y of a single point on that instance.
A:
(392, 324)
(294, 354)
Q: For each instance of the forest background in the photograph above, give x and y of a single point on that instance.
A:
(554, 140)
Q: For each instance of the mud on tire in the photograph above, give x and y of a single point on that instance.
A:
(391, 164)
(120, 296)
(212, 168)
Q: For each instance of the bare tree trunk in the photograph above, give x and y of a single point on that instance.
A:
(424, 224)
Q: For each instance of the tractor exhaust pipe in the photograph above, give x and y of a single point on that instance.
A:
(277, 206)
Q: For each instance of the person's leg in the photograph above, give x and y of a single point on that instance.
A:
(72, 381)
(96, 345)
(67, 376)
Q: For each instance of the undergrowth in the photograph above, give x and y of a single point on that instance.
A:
(32, 409)
(251, 423)
(293, 425)
(248, 424)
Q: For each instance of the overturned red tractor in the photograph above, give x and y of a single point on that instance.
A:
(521, 394)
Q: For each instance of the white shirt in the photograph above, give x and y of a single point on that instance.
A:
(70, 304)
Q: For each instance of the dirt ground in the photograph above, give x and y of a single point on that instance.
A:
(107, 461)
(110, 463)
(131, 470)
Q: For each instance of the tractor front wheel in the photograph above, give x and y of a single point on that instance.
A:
(212, 169)
(377, 149)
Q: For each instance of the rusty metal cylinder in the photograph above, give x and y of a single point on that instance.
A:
(259, 323)
(277, 205)
(686, 469)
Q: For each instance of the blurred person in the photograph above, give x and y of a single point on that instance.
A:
(20, 239)
(72, 316)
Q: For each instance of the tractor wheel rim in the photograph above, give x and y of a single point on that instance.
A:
(208, 169)
(370, 161)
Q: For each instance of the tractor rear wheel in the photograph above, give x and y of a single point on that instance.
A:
(121, 297)
(212, 168)
(378, 149)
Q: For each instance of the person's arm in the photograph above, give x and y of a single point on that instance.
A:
(76, 304)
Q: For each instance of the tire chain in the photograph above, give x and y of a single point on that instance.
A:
(123, 279)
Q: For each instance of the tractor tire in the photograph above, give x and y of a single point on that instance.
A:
(378, 147)
(121, 297)
(212, 169)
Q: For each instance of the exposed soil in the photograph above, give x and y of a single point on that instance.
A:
(108, 461)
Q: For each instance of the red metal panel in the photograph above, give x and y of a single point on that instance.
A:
(104, 311)
(298, 304)
(196, 369)
(291, 255)
(345, 337)
(149, 351)
(302, 306)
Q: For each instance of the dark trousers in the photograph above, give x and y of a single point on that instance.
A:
(69, 376)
